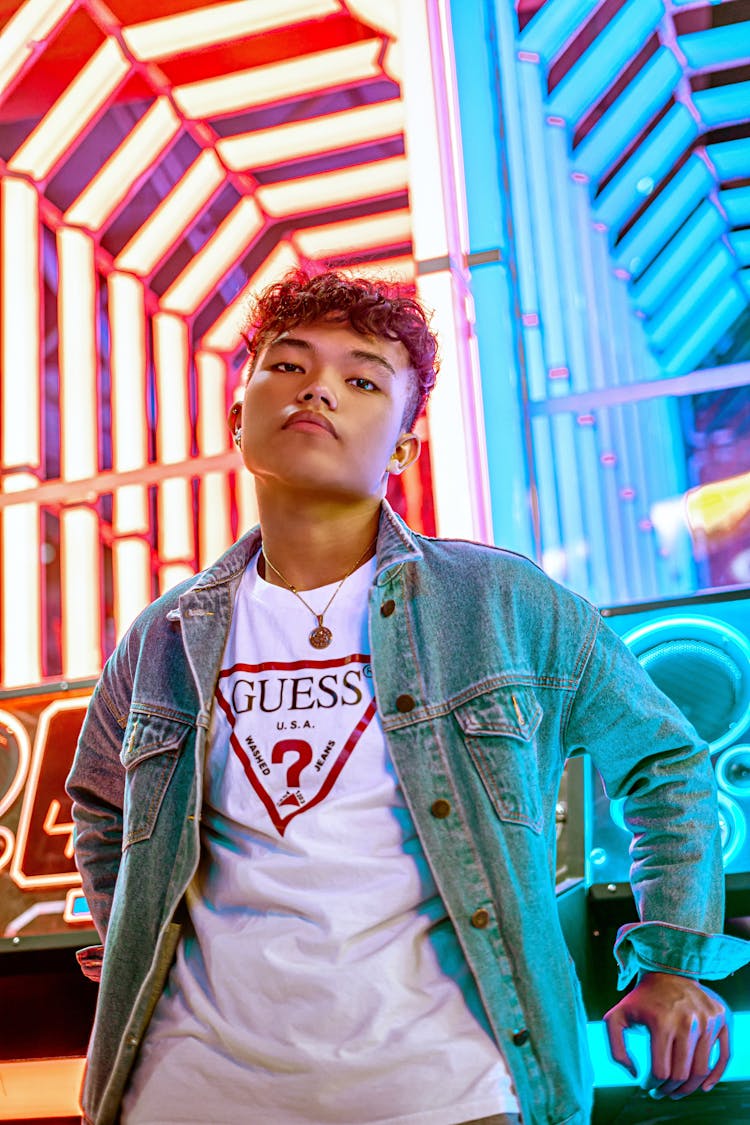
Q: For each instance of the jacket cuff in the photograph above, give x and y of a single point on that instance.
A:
(90, 959)
(659, 947)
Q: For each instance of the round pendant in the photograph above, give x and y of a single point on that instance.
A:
(321, 637)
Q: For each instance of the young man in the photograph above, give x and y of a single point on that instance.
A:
(314, 793)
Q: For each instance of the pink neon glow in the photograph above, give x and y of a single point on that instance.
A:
(608, 459)
(586, 420)
(530, 320)
(627, 494)
(558, 373)
(528, 56)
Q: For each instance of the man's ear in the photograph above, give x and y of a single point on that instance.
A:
(234, 417)
(408, 448)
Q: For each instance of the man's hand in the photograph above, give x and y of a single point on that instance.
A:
(684, 1021)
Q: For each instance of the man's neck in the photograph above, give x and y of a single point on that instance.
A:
(315, 543)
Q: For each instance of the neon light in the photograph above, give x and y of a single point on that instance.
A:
(717, 265)
(214, 524)
(218, 23)
(731, 159)
(452, 486)
(716, 46)
(19, 432)
(42, 745)
(81, 593)
(229, 242)
(76, 908)
(315, 193)
(664, 216)
(131, 557)
(393, 228)
(263, 84)
(733, 828)
(307, 138)
(43, 1088)
(723, 105)
(20, 310)
(608, 1073)
(247, 504)
(399, 270)
(740, 240)
(78, 354)
(430, 220)
(678, 258)
(72, 112)
(28, 26)
(629, 115)
(175, 212)
(104, 193)
(224, 334)
(553, 25)
(687, 352)
(12, 724)
(8, 841)
(174, 502)
(613, 47)
(736, 203)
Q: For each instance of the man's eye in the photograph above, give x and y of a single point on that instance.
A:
(363, 384)
(285, 365)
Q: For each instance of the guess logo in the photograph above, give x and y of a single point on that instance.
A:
(295, 725)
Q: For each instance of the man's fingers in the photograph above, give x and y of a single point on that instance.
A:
(615, 1025)
(721, 1062)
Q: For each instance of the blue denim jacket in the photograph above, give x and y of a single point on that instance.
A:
(487, 676)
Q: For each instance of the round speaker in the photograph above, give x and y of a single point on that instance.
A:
(733, 828)
(733, 771)
(703, 665)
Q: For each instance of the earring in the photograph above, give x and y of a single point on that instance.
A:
(238, 437)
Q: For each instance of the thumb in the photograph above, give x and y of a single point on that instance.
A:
(616, 1022)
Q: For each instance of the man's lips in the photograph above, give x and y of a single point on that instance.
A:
(307, 419)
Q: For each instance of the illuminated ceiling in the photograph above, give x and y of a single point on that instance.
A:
(656, 97)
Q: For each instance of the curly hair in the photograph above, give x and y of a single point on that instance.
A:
(373, 308)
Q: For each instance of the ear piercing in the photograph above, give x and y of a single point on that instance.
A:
(238, 437)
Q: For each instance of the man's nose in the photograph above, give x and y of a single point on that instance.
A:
(318, 390)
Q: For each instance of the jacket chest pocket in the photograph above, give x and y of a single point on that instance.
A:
(498, 730)
(150, 749)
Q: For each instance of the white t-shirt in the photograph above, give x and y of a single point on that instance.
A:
(320, 981)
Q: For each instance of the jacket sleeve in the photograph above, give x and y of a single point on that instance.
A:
(96, 787)
(652, 758)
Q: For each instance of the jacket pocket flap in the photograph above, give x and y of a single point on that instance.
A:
(511, 711)
(147, 734)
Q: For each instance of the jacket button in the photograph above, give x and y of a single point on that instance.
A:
(440, 808)
(387, 608)
(521, 1037)
(405, 703)
(480, 919)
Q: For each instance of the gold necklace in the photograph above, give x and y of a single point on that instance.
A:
(321, 636)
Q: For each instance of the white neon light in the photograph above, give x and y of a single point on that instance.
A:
(400, 270)
(77, 320)
(131, 563)
(103, 195)
(41, 747)
(446, 417)
(218, 23)
(392, 228)
(315, 135)
(214, 523)
(327, 189)
(355, 62)
(28, 26)
(20, 311)
(430, 233)
(227, 244)
(21, 620)
(247, 504)
(224, 336)
(81, 592)
(175, 212)
(70, 114)
(8, 841)
(174, 498)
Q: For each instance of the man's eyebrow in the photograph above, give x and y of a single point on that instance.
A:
(355, 353)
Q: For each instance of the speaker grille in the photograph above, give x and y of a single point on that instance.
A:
(703, 665)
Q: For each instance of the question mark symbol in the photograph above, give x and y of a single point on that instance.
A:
(304, 753)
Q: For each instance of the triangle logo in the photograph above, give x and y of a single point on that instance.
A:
(294, 725)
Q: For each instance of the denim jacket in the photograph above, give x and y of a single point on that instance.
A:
(487, 676)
